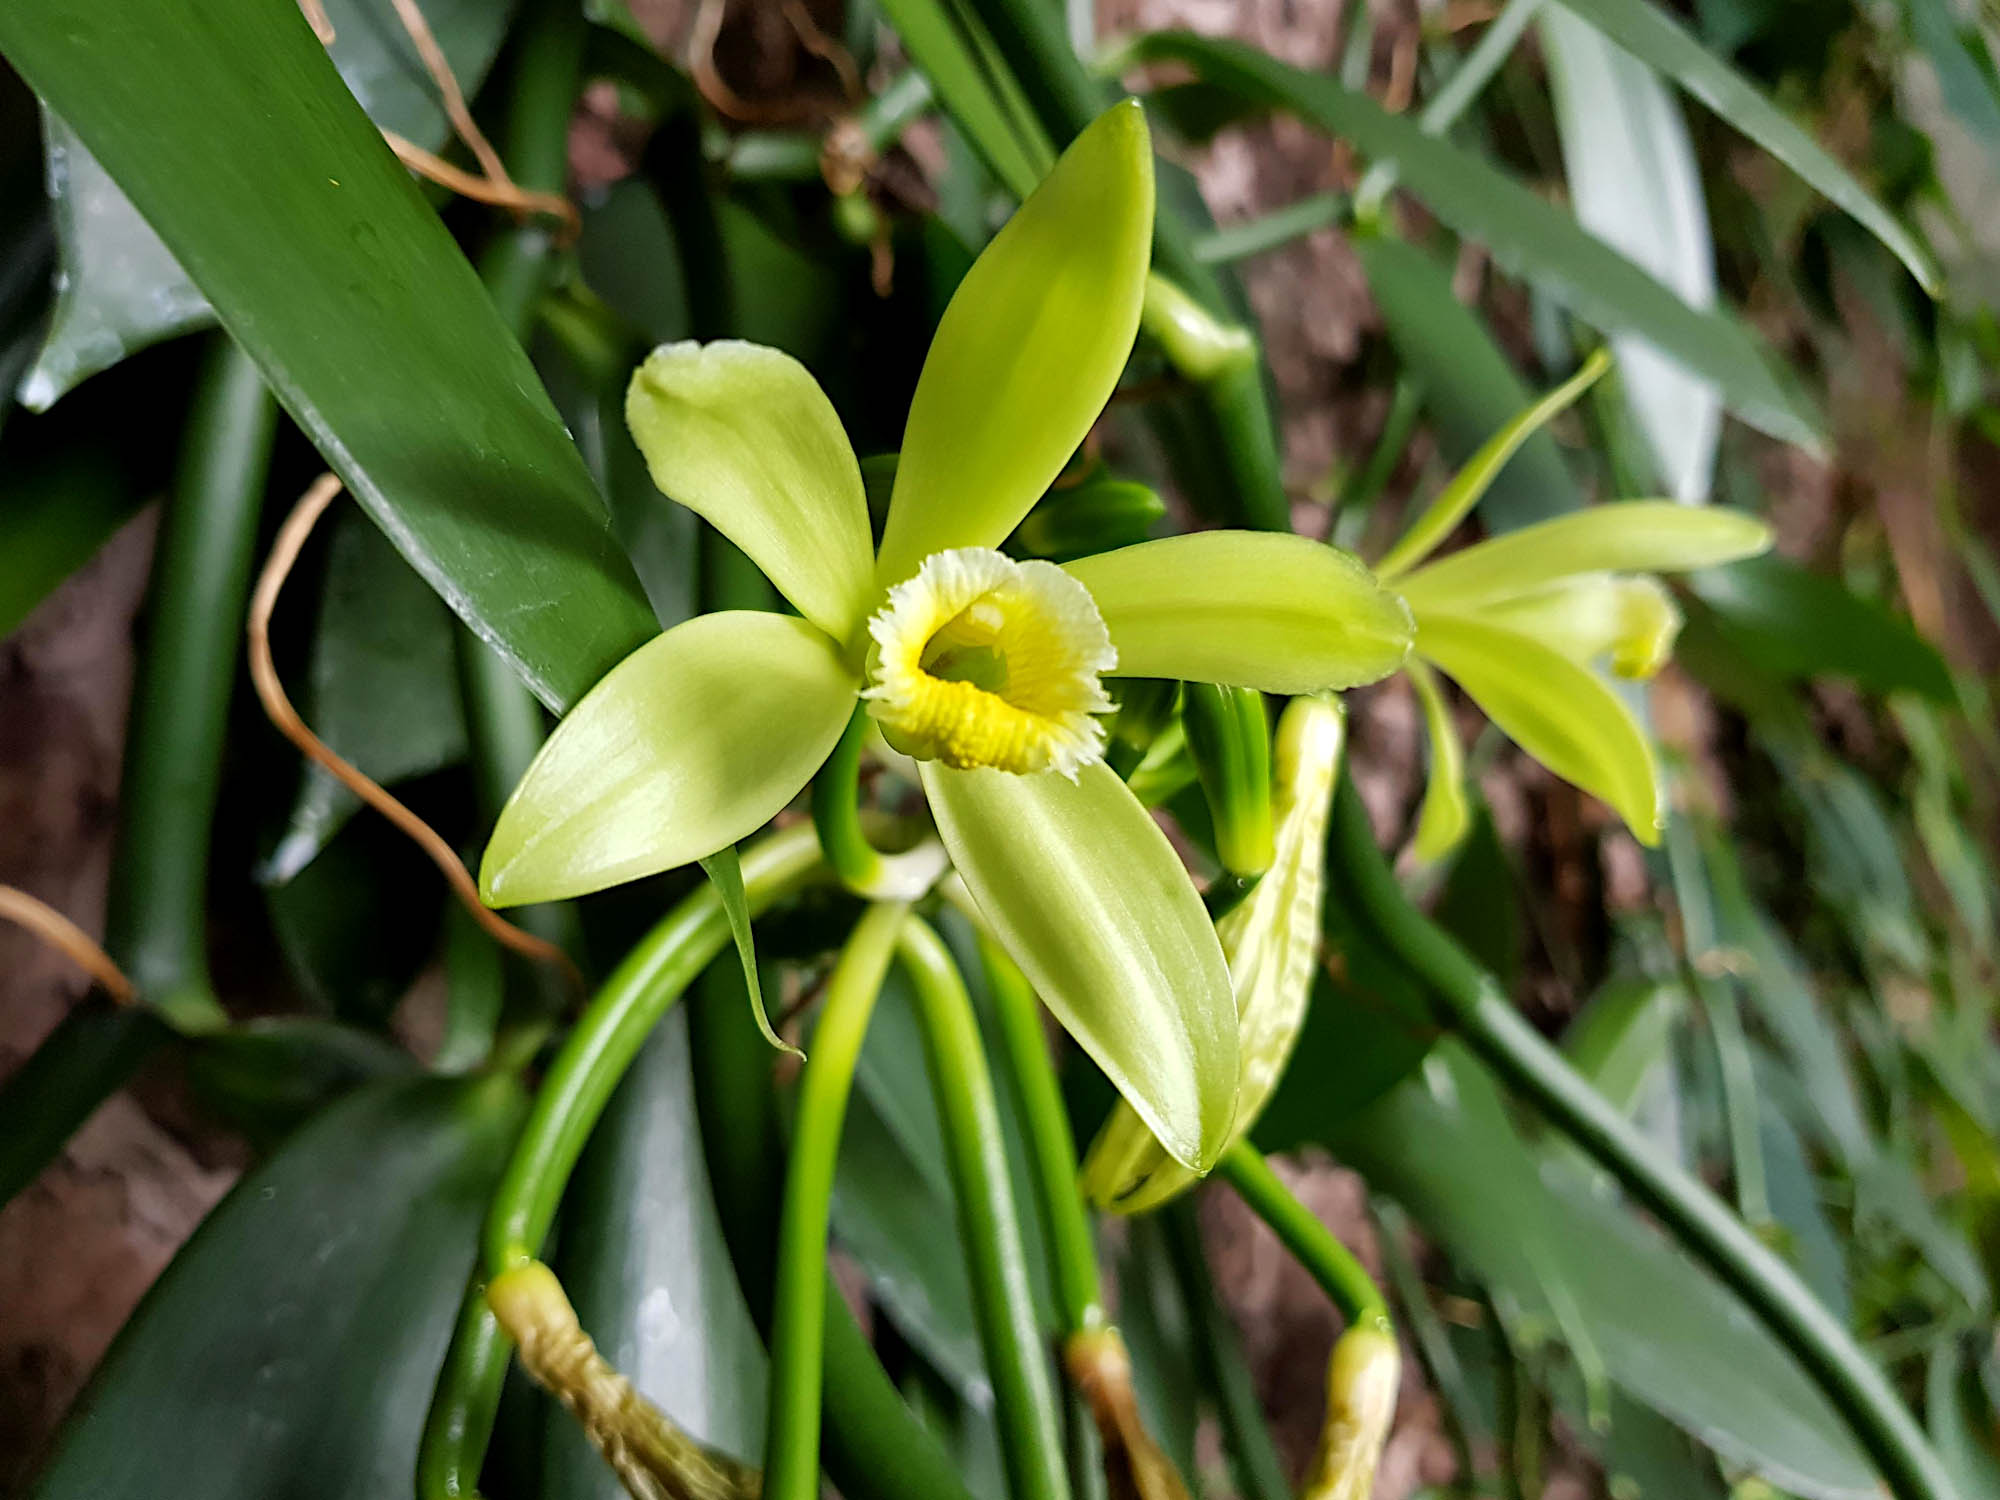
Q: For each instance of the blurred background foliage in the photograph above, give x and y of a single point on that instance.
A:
(1425, 212)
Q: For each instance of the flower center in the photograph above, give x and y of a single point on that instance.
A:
(983, 661)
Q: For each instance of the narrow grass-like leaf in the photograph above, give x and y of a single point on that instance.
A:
(952, 47)
(1524, 234)
(323, 261)
(725, 873)
(1655, 37)
(1635, 184)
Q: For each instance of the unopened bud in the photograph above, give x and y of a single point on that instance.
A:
(652, 1457)
(1362, 1379)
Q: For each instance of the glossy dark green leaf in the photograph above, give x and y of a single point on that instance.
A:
(91, 1054)
(122, 289)
(1668, 1334)
(1524, 234)
(382, 690)
(291, 1346)
(1470, 391)
(1795, 623)
(266, 1077)
(642, 1257)
(323, 261)
(55, 513)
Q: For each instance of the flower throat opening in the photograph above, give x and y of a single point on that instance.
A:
(983, 661)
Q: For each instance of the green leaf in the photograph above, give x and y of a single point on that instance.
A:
(1028, 351)
(725, 873)
(267, 1076)
(641, 1253)
(1655, 37)
(93, 1051)
(382, 690)
(1668, 1334)
(1635, 184)
(1088, 897)
(1524, 234)
(399, 368)
(948, 41)
(1470, 390)
(1251, 609)
(695, 740)
(1622, 1036)
(1562, 714)
(59, 509)
(1797, 624)
(291, 1346)
(1621, 536)
(122, 289)
(1455, 501)
(744, 437)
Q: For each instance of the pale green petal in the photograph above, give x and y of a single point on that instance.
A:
(1628, 621)
(1469, 484)
(743, 436)
(1562, 714)
(1028, 351)
(1445, 815)
(1623, 536)
(1085, 893)
(1255, 609)
(693, 741)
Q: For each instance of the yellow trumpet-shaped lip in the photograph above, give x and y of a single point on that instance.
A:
(981, 661)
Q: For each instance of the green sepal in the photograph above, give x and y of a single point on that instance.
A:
(1561, 713)
(1084, 892)
(1028, 351)
(744, 437)
(1252, 609)
(695, 740)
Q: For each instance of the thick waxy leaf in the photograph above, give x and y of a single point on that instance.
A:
(59, 510)
(1667, 1333)
(1252, 609)
(122, 289)
(1655, 37)
(1469, 389)
(1626, 536)
(1795, 623)
(1635, 184)
(1029, 349)
(383, 687)
(1089, 898)
(692, 742)
(1562, 714)
(1524, 234)
(291, 1346)
(393, 358)
(744, 436)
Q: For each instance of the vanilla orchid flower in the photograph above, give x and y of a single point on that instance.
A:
(986, 670)
(1523, 621)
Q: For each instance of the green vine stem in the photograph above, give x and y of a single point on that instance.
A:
(459, 1426)
(1311, 1243)
(1490, 1025)
(793, 156)
(874, 1448)
(798, 1310)
(836, 809)
(1072, 1251)
(156, 920)
(1218, 1360)
(1031, 1446)
(608, 1036)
